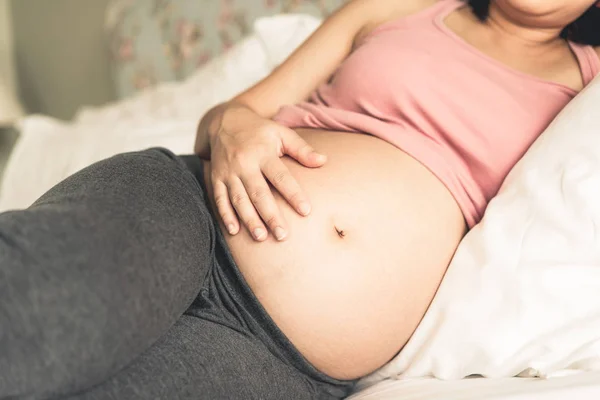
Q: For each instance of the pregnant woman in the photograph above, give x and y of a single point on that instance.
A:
(303, 251)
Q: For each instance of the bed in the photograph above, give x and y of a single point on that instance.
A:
(585, 386)
(163, 95)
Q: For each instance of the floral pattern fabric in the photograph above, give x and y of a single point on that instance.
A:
(154, 41)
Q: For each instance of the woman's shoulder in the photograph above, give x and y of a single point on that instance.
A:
(391, 10)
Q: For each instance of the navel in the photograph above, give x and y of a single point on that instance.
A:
(340, 232)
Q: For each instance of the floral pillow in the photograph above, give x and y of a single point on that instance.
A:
(153, 41)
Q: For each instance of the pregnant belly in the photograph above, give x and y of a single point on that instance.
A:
(352, 281)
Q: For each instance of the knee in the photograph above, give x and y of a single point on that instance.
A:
(159, 153)
(158, 159)
(154, 156)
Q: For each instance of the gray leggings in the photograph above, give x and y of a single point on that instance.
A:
(117, 284)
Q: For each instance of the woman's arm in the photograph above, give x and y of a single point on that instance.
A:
(311, 64)
(316, 59)
(246, 146)
(292, 81)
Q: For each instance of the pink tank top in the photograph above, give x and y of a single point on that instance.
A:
(465, 116)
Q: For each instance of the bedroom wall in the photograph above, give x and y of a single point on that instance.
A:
(6, 45)
(7, 137)
(61, 55)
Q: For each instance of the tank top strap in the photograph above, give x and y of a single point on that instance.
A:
(441, 7)
(589, 62)
(447, 6)
(421, 18)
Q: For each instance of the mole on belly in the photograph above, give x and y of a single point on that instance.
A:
(340, 232)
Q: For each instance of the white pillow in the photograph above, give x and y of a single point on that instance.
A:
(522, 294)
(49, 150)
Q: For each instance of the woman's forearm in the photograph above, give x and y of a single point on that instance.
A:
(211, 124)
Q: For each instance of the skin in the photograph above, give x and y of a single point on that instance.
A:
(538, 20)
(525, 35)
(349, 280)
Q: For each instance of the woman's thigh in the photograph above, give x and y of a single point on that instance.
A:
(97, 270)
(200, 359)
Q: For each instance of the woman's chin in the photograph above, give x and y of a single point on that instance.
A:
(544, 13)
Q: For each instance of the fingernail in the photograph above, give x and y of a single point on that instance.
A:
(321, 158)
(258, 233)
(280, 233)
(304, 208)
(231, 229)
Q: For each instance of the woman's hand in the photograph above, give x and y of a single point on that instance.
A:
(245, 152)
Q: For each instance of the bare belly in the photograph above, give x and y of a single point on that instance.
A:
(350, 302)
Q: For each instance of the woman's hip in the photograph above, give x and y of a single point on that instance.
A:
(227, 298)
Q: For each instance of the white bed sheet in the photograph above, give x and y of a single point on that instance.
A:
(579, 386)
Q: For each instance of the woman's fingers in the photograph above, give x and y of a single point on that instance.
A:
(281, 178)
(245, 198)
(263, 201)
(224, 207)
(244, 208)
(297, 148)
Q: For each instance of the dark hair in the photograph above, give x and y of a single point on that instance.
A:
(585, 30)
